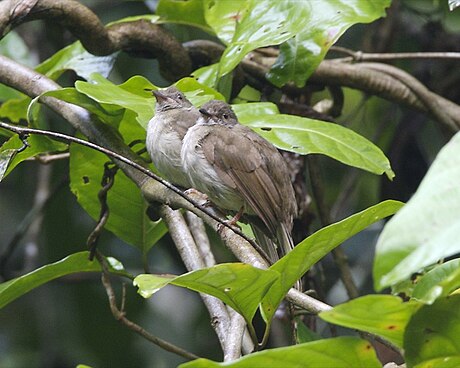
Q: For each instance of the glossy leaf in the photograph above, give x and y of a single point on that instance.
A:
(327, 21)
(306, 136)
(109, 114)
(347, 352)
(75, 57)
(433, 333)
(9, 159)
(293, 265)
(427, 228)
(129, 95)
(264, 23)
(127, 218)
(439, 282)
(382, 315)
(241, 286)
(75, 263)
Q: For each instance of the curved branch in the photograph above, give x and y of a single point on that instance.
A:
(140, 38)
(398, 87)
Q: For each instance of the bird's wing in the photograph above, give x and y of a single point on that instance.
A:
(241, 162)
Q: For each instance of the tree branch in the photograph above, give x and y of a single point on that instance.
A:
(139, 38)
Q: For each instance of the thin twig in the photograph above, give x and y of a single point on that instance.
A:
(368, 56)
(68, 138)
(120, 315)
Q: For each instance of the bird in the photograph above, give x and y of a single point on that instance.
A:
(241, 172)
(174, 115)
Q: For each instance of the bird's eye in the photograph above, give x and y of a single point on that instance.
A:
(225, 116)
(179, 97)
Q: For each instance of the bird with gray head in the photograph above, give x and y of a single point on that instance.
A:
(174, 115)
(240, 171)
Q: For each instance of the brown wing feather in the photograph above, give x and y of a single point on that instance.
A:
(242, 162)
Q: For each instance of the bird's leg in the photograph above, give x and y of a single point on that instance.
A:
(233, 220)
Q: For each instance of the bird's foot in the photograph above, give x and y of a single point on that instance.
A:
(232, 222)
(200, 198)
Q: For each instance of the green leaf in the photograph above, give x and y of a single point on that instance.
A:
(109, 114)
(382, 315)
(339, 352)
(305, 136)
(129, 95)
(427, 228)
(77, 262)
(439, 282)
(293, 265)
(189, 12)
(75, 57)
(239, 285)
(327, 21)
(264, 23)
(38, 144)
(433, 334)
(127, 218)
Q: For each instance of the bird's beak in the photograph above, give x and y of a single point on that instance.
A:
(205, 112)
(159, 96)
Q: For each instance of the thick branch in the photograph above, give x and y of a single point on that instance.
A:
(140, 38)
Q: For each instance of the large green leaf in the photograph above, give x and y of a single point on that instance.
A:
(293, 265)
(264, 23)
(327, 21)
(432, 335)
(427, 228)
(239, 285)
(129, 95)
(440, 281)
(77, 262)
(382, 315)
(307, 28)
(108, 113)
(339, 352)
(127, 219)
(305, 136)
